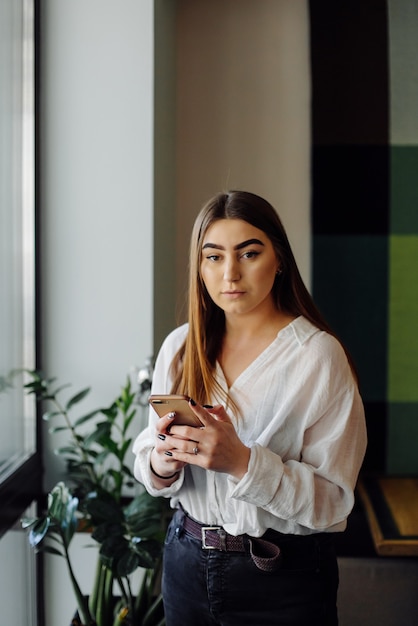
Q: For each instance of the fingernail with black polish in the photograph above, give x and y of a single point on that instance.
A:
(162, 437)
(192, 402)
(207, 406)
(168, 453)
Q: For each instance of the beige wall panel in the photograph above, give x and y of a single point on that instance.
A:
(243, 112)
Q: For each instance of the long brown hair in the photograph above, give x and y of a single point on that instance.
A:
(194, 364)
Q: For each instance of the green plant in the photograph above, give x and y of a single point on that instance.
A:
(129, 531)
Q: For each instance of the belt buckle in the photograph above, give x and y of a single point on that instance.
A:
(204, 530)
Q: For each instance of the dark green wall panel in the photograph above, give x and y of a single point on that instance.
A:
(402, 439)
(350, 278)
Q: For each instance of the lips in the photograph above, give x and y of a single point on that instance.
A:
(232, 294)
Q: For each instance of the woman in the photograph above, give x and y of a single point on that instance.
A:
(262, 487)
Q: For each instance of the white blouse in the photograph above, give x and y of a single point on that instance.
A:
(302, 418)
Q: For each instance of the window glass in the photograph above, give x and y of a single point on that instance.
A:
(17, 248)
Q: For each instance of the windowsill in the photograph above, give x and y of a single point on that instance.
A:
(19, 490)
(391, 508)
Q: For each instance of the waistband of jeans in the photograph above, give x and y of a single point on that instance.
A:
(266, 555)
(237, 543)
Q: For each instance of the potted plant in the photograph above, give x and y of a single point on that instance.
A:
(129, 531)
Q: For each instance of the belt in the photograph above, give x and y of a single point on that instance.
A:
(265, 554)
(214, 537)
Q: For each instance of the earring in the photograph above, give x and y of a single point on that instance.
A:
(279, 271)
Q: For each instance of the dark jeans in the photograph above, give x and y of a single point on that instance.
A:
(214, 588)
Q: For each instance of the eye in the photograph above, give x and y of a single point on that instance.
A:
(213, 257)
(250, 254)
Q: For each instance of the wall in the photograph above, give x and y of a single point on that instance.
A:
(17, 596)
(240, 118)
(96, 213)
(165, 292)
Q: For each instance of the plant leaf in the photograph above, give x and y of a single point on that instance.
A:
(124, 448)
(57, 429)
(127, 563)
(77, 398)
(155, 613)
(52, 550)
(39, 531)
(85, 418)
(111, 412)
(145, 557)
(27, 522)
(112, 549)
(104, 510)
(101, 431)
(50, 414)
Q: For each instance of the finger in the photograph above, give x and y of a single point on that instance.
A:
(202, 412)
(219, 413)
(164, 423)
(182, 446)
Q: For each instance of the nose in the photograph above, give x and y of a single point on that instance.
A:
(231, 271)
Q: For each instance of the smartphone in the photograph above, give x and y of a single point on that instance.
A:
(163, 404)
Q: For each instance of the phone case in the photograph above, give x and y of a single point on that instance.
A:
(163, 404)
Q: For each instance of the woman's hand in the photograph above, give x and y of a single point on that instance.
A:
(164, 468)
(215, 446)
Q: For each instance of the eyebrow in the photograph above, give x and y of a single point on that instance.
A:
(239, 246)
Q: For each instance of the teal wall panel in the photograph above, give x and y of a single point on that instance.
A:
(404, 189)
(350, 279)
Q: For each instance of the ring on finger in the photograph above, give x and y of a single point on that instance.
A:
(195, 450)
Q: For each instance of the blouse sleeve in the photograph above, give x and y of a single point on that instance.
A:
(144, 443)
(315, 490)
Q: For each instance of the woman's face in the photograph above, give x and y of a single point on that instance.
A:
(238, 267)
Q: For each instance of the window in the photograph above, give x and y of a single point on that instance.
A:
(20, 465)
(17, 283)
